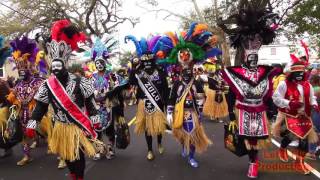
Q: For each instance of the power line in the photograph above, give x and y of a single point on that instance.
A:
(17, 11)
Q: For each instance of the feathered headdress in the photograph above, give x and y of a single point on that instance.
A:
(5, 51)
(65, 38)
(252, 20)
(24, 53)
(196, 43)
(99, 50)
(144, 47)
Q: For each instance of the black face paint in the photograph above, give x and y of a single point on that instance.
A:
(252, 61)
(24, 75)
(58, 69)
(187, 75)
(298, 75)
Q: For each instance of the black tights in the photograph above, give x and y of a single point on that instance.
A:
(77, 167)
(149, 140)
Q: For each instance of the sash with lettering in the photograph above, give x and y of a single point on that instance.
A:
(150, 91)
(75, 114)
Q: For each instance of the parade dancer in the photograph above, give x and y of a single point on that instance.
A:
(151, 94)
(216, 106)
(295, 98)
(187, 96)
(250, 85)
(103, 82)
(22, 95)
(69, 95)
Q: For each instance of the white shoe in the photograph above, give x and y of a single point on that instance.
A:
(294, 143)
(97, 157)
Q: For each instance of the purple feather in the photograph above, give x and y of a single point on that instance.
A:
(152, 42)
(25, 45)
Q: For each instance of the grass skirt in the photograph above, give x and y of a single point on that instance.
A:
(197, 137)
(213, 109)
(154, 124)
(67, 140)
(4, 115)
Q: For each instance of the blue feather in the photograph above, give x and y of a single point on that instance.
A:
(202, 38)
(164, 44)
(1, 41)
(213, 52)
(136, 43)
(144, 45)
(190, 31)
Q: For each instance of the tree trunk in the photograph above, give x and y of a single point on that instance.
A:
(225, 50)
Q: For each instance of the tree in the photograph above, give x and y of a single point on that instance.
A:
(92, 16)
(125, 57)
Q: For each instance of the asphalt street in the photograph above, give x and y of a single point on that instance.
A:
(131, 163)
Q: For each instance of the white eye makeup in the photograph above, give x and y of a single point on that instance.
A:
(56, 65)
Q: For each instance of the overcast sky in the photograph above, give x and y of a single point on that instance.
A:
(151, 22)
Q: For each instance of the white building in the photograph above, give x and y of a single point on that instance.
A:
(274, 54)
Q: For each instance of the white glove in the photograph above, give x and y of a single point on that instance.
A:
(170, 114)
(169, 118)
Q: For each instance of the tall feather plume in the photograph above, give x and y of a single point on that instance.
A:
(173, 37)
(304, 45)
(136, 43)
(152, 42)
(25, 45)
(63, 30)
(144, 45)
(190, 31)
(199, 28)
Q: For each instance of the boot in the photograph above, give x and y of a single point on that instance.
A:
(300, 167)
(283, 155)
(193, 163)
(62, 164)
(253, 170)
(150, 156)
(110, 152)
(73, 176)
(160, 149)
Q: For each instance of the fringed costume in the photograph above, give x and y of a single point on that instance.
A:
(295, 99)
(216, 106)
(187, 96)
(151, 94)
(72, 100)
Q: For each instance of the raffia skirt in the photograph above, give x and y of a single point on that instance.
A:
(154, 124)
(4, 115)
(67, 140)
(213, 109)
(196, 136)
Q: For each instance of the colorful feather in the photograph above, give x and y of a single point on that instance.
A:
(136, 43)
(213, 52)
(294, 58)
(199, 28)
(152, 42)
(63, 30)
(190, 31)
(173, 37)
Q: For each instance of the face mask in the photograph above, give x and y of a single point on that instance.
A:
(298, 76)
(100, 65)
(252, 61)
(57, 68)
